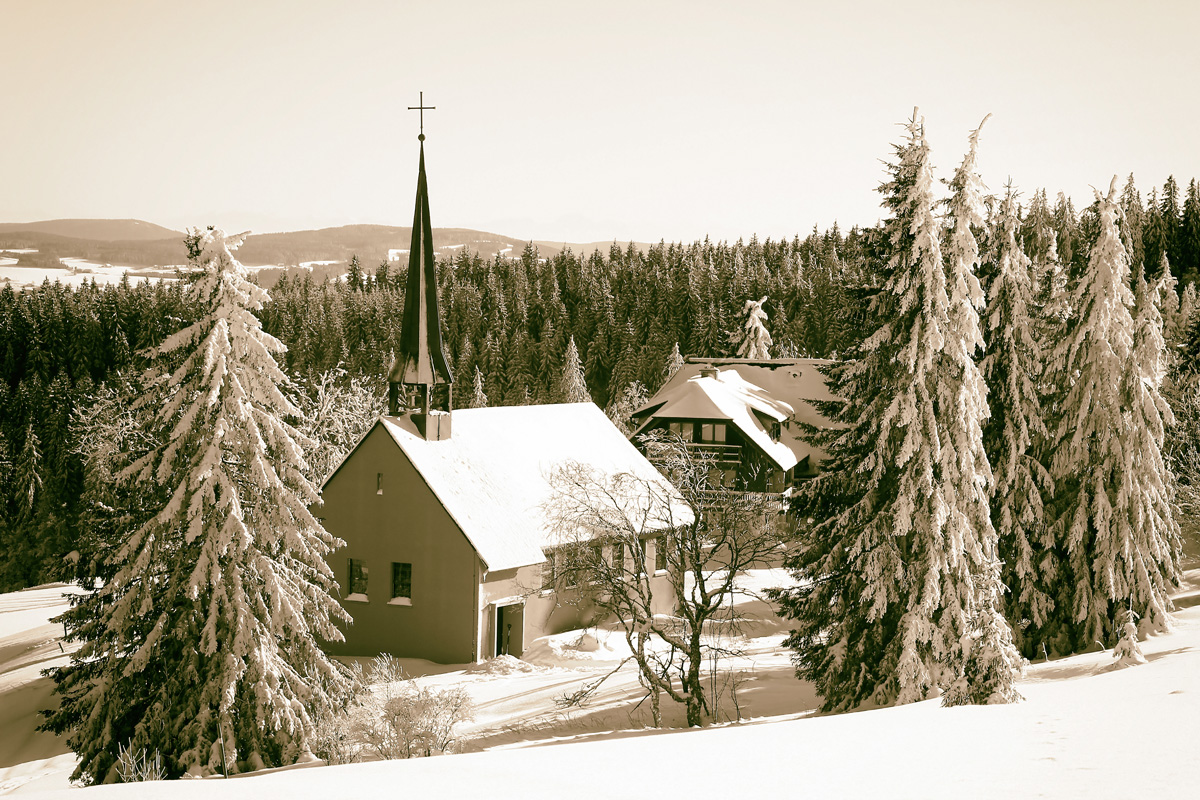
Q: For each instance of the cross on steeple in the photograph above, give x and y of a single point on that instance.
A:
(420, 106)
(419, 383)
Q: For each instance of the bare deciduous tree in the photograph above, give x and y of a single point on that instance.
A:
(607, 525)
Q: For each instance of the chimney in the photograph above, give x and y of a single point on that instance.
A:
(708, 371)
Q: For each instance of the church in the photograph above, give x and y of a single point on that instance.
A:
(443, 510)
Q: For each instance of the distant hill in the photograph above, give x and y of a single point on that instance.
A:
(370, 243)
(100, 230)
(139, 244)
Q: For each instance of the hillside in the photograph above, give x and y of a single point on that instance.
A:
(137, 244)
(102, 230)
(1083, 730)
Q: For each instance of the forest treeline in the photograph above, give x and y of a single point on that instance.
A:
(509, 318)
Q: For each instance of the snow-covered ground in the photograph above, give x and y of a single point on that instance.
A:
(1084, 730)
(76, 272)
(29, 643)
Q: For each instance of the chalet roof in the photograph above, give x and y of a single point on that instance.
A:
(492, 474)
(745, 391)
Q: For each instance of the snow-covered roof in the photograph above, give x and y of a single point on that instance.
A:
(492, 474)
(744, 391)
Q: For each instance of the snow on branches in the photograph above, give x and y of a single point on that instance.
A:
(205, 638)
(752, 340)
(1115, 531)
(897, 571)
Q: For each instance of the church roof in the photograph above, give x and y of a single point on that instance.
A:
(744, 392)
(492, 475)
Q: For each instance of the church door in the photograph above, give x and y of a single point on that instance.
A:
(510, 626)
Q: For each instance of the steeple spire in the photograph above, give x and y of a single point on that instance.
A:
(420, 379)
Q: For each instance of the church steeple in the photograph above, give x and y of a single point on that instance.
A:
(420, 379)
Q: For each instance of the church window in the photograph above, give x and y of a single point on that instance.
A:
(660, 554)
(358, 577)
(401, 583)
(378, 483)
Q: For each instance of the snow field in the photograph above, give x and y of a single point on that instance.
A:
(29, 643)
(1084, 730)
(77, 272)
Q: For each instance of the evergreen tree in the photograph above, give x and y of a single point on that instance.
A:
(1148, 550)
(1172, 220)
(882, 602)
(572, 388)
(478, 399)
(1132, 219)
(751, 339)
(1187, 320)
(28, 477)
(989, 661)
(674, 363)
(203, 641)
(621, 411)
(1189, 234)
(1116, 545)
(1012, 368)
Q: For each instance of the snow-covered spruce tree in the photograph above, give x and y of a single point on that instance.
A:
(1012, 369)
(882, 601)
(479, 398)
(989, 661)
(751, 339)
(1152, 563)
(1187, 317)
(674, 363)
(621, 410)
(572, 388)
(1113, 524)
(202, 644)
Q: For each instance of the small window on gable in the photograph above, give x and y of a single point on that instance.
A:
(712, 432)
(660, 553)
(640, 566)
(378, 483)
(358, 578)
(676, 429)
(401, 583)
(618, 556)
(548, 572)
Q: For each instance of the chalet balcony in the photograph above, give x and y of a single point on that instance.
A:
(720, 452)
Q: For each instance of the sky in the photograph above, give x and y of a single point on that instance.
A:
(575, 122)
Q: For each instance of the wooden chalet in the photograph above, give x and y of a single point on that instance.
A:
(747, 415)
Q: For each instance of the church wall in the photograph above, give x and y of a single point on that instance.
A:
(543, 614)
(404, 524)
(548, 612)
